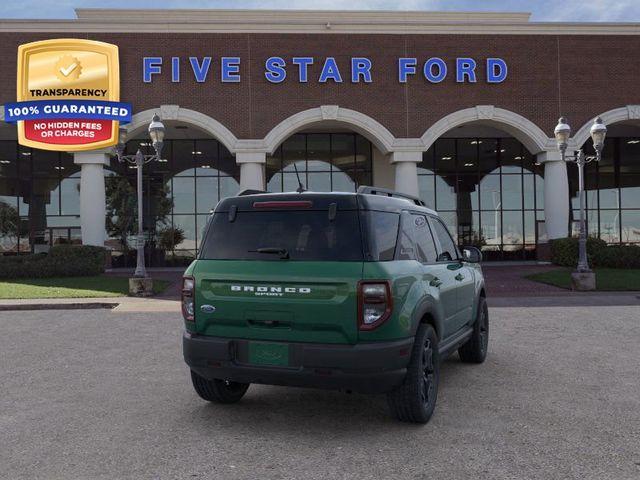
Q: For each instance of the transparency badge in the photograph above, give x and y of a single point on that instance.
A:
(68, 95)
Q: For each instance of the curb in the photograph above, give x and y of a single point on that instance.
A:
(57, 306)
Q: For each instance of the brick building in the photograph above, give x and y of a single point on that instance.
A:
(458, 108)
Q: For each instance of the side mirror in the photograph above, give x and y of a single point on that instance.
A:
(471, 254)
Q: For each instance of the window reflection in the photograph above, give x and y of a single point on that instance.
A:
(325, 162)
(612, 191)
(490, 191)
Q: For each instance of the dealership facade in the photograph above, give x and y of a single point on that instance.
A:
(457, 108)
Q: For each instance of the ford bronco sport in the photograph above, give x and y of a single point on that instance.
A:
(362, 292)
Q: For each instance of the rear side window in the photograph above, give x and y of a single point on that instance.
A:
(425, 246)
(449, 251)
(406, 239)
(304, 235)
(382, 234)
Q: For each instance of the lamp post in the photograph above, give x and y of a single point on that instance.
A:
(156, 133)
(583, 278)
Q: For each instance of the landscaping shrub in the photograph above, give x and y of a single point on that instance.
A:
(564, 252)
(61, 261)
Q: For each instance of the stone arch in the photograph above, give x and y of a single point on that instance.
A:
(141, 120)
(527, 132)
(622, 114)
(382, 138)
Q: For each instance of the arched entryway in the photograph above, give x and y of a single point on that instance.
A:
(39, 197)
(332, 148)
(196, 171)
(481, 173)
(612, 185)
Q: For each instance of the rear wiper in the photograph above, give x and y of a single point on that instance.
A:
(284, 254)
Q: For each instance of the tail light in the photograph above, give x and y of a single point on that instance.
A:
(188, 298)
(375, 303)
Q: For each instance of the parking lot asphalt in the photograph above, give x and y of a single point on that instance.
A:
(102, 394)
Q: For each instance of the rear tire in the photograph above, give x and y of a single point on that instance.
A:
(475, 350)
(218, 391)
(415, 400)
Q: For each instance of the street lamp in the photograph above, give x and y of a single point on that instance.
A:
(156, 133)
(562, 133)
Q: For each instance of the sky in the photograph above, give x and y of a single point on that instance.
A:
(542, 10)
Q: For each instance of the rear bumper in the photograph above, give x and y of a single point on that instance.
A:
(366, 368)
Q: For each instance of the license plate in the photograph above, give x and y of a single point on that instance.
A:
(274, 354)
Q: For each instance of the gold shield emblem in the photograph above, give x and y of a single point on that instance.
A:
(68, 70)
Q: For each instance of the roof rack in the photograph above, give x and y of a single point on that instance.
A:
(390, 193)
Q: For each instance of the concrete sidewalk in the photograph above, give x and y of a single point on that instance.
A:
(118, 304)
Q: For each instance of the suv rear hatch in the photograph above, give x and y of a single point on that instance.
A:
(281, 267)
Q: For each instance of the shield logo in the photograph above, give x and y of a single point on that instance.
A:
(69, 74)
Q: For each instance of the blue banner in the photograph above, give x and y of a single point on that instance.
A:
(67, 109)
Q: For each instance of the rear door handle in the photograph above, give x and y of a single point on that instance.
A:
(459, 277)
(435, 282)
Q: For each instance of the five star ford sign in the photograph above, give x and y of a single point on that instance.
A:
(68, 95)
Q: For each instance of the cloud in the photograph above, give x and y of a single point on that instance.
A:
(543, 10)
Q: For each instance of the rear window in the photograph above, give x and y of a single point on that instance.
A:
(304, 235)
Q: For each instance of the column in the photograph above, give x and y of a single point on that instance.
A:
(93, 208)
(251, 170)
(406, 166)
(556, 194)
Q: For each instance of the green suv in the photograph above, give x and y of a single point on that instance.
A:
(362, 292)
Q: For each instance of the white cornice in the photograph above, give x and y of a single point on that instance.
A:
(296, 21)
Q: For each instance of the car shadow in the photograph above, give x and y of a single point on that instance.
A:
(314, 412)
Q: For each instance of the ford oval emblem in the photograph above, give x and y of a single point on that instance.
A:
(208, 308)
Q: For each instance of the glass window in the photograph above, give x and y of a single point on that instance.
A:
(427, 189)
(631, 226)
(205, 154)
(182, 159)
(629, 155)
(445, 193)
(187, 223)
(487, 155)
(512, 192)
(467, 192)
(319, 152)
(630, 190)
(445, 156)
(426, 166)
(490, 194)
(512, 228)
(341, 182)
(382, 234)
(304, 235)
(325, 162)
(184, 195)
(406, 246)
(467, 154)
(511, 155)
(449, 251)
(469, 227)
(45, 163)
(208, 194)
(227, 163)
(8, 159)
(425, 246)
(609, 226)
(70, 196)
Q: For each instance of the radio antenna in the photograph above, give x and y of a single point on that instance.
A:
(300, 188)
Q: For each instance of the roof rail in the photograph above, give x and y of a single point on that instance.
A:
(390, 193)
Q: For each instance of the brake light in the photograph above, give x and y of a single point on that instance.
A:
(375, 303)
(188, 298)
(284, 204)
